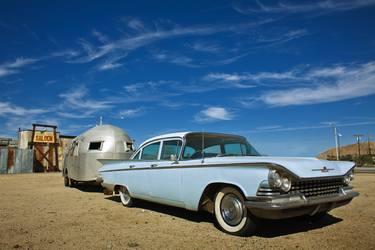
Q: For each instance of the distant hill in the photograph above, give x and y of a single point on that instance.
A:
(351, 150)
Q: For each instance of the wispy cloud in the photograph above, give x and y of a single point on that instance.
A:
(149, 91)
(112, 62)
(134, 24)
(77, 104)
(204, 46)
(131, 113)
(16, 116)
(280, 128)
(175, 59)
(101, 37)
(249, 80)
(327, 85)
(284, 7)
(7, 108)
(212, 114)
(15, 66)
(139, 35)
(142, 39)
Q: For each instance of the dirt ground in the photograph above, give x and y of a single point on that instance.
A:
(38, 212)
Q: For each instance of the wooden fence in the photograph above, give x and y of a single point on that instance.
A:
(14, 161)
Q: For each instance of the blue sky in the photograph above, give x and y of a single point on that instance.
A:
(276, 72)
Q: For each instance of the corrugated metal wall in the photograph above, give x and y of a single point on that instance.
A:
(14, 161)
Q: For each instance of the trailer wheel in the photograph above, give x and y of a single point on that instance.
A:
(125, 197)
(66, 181)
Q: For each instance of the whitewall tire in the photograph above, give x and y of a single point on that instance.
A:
(125, 197)
(231, 214)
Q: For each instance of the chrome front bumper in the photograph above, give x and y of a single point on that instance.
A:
(286, 206)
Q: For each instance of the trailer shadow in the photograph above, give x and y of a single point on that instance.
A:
(88, 188)
(169, 210)
(266, 228)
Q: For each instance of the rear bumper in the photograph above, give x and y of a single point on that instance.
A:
(286, 206)
(107, 188)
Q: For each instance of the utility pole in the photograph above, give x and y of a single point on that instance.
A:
(358, 138)
(369, 144)
(337, 141)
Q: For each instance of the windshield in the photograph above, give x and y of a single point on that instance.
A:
(212, 145)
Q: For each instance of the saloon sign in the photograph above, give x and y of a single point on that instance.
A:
(44, 136)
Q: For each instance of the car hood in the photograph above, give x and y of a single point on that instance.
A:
(303, 167)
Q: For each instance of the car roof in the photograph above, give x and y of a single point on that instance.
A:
(170, 135)
(179, 135)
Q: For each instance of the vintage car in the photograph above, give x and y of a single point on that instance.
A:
(223, 174)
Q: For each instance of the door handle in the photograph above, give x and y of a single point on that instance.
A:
(131, 166)
(154, 165)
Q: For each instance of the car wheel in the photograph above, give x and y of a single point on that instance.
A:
(231, 214)
(125, 197)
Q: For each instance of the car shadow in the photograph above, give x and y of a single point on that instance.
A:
(276, 228)
(169, 210)
(266, 228)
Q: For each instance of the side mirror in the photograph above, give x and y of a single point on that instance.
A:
(173, 157)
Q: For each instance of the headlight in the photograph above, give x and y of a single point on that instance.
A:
(286, 184)
(349, 177)
(279, 180)
(274, 179)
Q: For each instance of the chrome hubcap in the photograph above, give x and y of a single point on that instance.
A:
(231, 209)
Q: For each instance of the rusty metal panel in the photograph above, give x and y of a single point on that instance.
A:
(27, 160)
(3, 160)
(10, 161)
(13, 161)
(17, 161)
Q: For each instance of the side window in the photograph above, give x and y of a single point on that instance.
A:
(95, 145)
(151, 151)
(234, 149)
(188, 152)
(136, 157)
(215, 149)
(172, 147)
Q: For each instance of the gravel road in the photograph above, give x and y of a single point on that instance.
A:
(38, 212)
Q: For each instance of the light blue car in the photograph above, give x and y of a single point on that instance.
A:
(224, 175)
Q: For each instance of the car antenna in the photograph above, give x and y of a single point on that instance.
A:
(202, 146)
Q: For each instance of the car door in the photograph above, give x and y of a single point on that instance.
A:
(140, 170)
(165, 175)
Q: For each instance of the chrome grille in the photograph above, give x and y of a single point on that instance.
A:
(309, 188)
(317, 187)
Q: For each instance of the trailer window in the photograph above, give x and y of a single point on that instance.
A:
(96, 145)
(129, 146)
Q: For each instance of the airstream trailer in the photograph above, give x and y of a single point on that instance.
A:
(101, 142)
